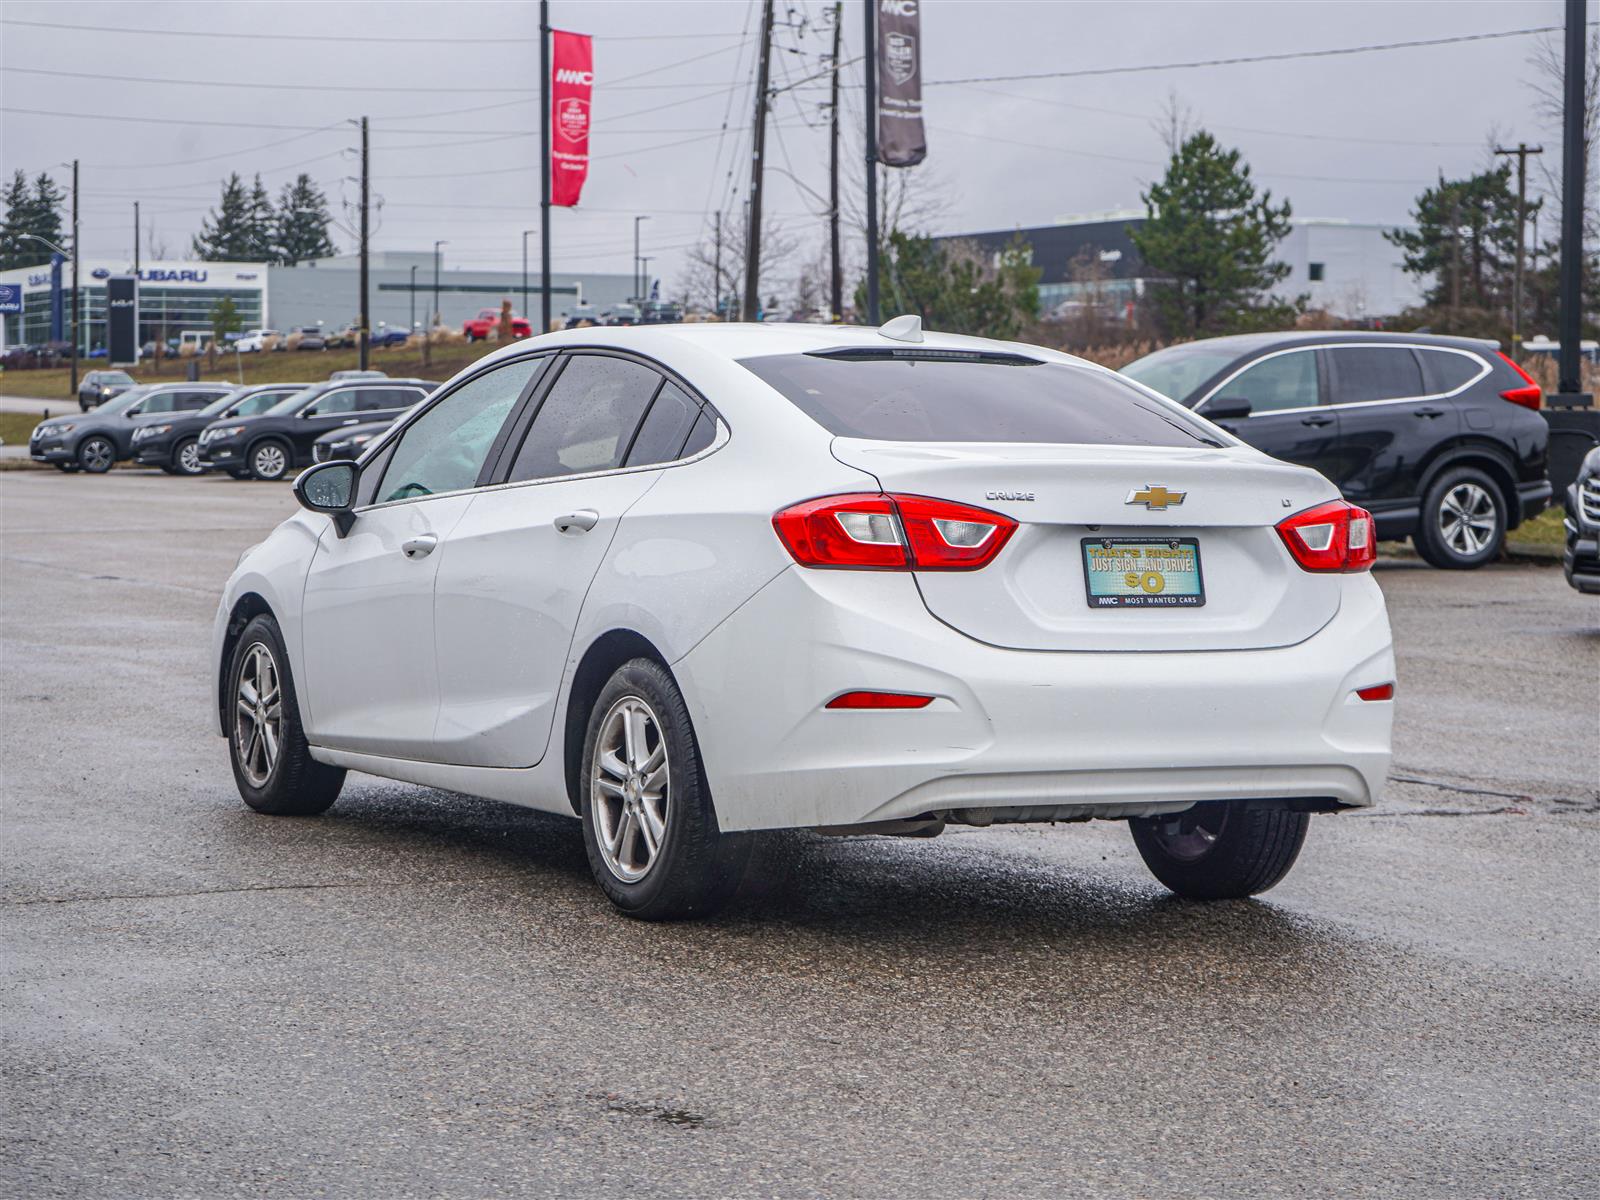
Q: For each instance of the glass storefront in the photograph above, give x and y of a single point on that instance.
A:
(163, 313)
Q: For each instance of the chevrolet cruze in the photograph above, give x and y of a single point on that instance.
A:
(687, 583)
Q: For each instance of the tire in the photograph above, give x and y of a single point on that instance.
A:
(96, 454)
(289, 783)
(1221, 849)
(186, 458)
(1463, 521)
(694, 867)
(269, 459)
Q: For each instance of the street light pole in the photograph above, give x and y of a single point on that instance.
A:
(525, 234)
(644, 282)
(412, 328)
(77, 300)
(636, 221)
(433, 317)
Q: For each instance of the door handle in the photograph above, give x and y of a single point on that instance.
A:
(578, 522)
(420, 546)
(1316, 419)
(1429, 412)
(351, 421)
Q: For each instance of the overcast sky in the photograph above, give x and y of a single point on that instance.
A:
(1352, 136)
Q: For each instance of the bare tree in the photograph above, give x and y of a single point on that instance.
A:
(1549, 65)
(699, 284)
(1176, 123)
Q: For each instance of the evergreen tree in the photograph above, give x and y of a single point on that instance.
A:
(227, 234)
(1465, 240)
(1212, 238)
(263, 225)
(14, 252)
(302, 223)
(44, 215)
(957, 291)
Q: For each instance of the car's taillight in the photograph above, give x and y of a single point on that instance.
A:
(1530, 396)
(1378, 691)
(1336, 536)
(872, 531)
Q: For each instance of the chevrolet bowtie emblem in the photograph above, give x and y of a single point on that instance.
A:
(1155, 497)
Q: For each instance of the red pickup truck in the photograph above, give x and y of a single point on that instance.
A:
(479, 327)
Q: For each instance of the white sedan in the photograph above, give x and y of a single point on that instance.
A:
(690, 582)
(254, 341)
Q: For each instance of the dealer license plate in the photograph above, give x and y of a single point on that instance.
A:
(1143, 573)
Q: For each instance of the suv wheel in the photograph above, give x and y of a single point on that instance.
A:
(269, 460)
(1221, 849)
(648, 824)
(96, 455)
(186, 458)
(1463, 520)
(272, 764)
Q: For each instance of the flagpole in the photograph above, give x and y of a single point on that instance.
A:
(544, 160)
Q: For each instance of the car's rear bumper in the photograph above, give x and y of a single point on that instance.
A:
(1019, 735)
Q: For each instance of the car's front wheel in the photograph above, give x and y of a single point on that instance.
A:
(186, 458)
(1221, 849)
(269, 460)
(96, 455)
(272, 763)
(1463, 521)
(648, 823)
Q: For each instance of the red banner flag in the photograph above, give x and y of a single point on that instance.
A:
(571, 81)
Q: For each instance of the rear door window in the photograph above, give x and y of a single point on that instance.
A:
(1363, 373)
(588, 418)
(1446, 371)
(329, 403)
(943, 396)
(1275, 383)
(665, 428)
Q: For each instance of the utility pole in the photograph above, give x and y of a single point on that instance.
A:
(1522, 151)
(412, 328)
(135, 239)
(544, 164)
(716, 273)
(752, 259)
(1572, 189)
(644, 282)
(637, 296)
(869, 67)
(427, 334)
(525, 234)
(363, 334)
(836, 272)
(1455, 256)
(77, 300)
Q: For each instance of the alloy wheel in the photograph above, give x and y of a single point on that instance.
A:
(1188, 836)
(628, 789)
(97, 455)
(269, 461)
(189, 458)
(1467, 518)
(258, 715)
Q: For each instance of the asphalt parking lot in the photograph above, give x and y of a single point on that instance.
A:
(421, 994)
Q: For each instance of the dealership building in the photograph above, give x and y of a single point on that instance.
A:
(175, 297)
(1346, 268)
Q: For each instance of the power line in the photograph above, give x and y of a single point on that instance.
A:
(363, 39)
(1251, 58)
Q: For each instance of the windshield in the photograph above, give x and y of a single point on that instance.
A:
(1178, 370)
(290, 403)
(934, 396)
(114, 377)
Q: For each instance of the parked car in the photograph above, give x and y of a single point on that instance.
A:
(581, 316)
(889, 571)
(99, 386)
(347, 441)
(31, 355)
(310, 338)
(271, 444)
(620, 314)
(255, 341)
(488, 320)
(660, 312)
(98, 351)
(1582, 558)
(355, 373)
(342, 337)
(383, 336)
(172, 442)
(99, 439)
(1439, 437)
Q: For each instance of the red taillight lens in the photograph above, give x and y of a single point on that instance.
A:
(877, 532)
(1336, 536)
(879, 700)
(1530, 396)
(1383, 691)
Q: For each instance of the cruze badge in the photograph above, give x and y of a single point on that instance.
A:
(1008, 495)
(1156, 497)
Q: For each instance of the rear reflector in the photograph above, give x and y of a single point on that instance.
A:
(1530, 396)
(879, 700)
(871, 531)
(1383, 691)
(1336, 536)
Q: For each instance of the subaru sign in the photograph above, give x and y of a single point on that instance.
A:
(10, 297)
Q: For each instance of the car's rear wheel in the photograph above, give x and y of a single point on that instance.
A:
(186, 458)
(269, 460)
(96, 455)
(1221, 849)
(648, 823)
(1463, 521)
(272, 764)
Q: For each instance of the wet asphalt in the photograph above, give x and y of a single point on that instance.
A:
(421, 994)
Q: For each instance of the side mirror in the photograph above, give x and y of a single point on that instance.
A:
(330, 488)
(1227, 408)
(133, 412)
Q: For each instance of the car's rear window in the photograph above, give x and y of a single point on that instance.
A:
(906, 398)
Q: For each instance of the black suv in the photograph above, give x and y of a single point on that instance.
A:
(95, 441)
(1582, 558)
(99, 386)
(271, 444)
(173, 443)
(1440, 438)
